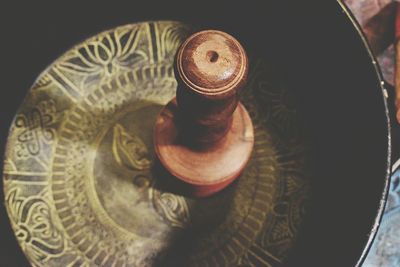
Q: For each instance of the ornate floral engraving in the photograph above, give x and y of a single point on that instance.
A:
(106, 54)
(99, 199)
(35, 128)
(129, 150)
(174, 209)
(34, 228)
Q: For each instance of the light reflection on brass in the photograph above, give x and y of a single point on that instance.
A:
(81, 184)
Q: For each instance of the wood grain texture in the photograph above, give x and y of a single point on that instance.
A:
(201, 137)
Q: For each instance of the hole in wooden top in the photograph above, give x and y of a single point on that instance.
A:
(212, 56)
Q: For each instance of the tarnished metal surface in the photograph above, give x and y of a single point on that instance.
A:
(82, 187)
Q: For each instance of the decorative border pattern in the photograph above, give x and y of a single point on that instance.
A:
(50, 179)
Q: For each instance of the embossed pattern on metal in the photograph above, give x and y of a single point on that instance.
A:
(82, 187)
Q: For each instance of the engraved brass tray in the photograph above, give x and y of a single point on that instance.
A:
(82, 186)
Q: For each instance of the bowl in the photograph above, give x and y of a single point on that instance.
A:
(320, 173)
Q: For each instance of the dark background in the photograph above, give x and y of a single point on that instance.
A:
(329, 70)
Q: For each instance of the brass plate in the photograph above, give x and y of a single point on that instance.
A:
(81, 184)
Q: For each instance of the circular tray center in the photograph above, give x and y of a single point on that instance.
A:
(82, 184)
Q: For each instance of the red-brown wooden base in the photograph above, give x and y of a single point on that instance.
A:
(210, 170)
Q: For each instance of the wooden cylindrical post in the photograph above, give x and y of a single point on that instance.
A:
(206, 126)
(211, 68)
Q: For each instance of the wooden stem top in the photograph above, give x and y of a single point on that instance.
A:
(211, 68)
(212, 63)
(204, 137)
